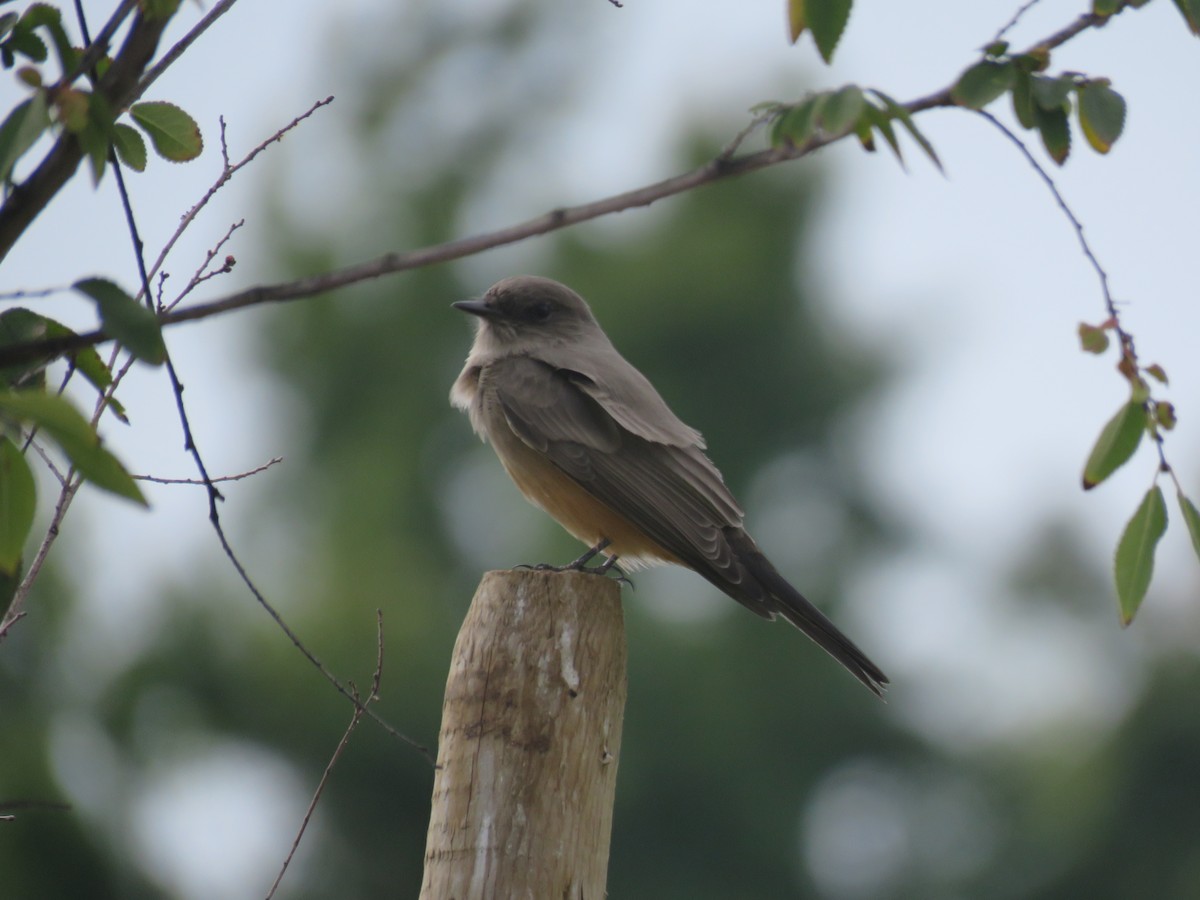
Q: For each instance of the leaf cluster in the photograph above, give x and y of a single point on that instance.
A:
(1043, 103)
(1141, 415)
(59, 105)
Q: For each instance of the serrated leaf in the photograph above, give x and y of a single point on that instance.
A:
(842, 110)
(797, 21)
(174, 134)
(898, 112)
(983, 83)
(826, 20)
(1190, 9)
(1101, 115)
(880, 120)
(131, 149)
(18, 503)
(95, 146)
(1191, 516)
(1022, 98)
(1052, 93)
(132, 325)
(1055, 130)
(1117, 442)
(1164, 414)
(28, 44)
(798, 123)
(1134, 563)
(20, 326)
(1092, 339)
(55, 416)
(21, 130)
(1157, 372)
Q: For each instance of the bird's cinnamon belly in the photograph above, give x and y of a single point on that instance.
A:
(575, 509)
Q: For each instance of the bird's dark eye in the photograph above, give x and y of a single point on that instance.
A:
(540, 312)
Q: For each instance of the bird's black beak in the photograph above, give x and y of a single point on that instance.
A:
(476, 307)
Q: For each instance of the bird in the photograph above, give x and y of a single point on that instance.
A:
(586, 437)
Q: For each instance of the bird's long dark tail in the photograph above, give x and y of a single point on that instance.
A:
(767, 592)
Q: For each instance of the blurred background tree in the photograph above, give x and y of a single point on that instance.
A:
(752, 765)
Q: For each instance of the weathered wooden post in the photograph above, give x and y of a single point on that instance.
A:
(530, 740)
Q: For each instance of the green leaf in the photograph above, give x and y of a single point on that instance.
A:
(1101, 115)
(1164, 414)
(159, 9)
(131, 324)
(797, 21)
(175, 134)
(798, 123)
(95, 145)
(1157, 372)
(1135, 552)
(70, 430)
(130, 147)
(1190, 10)
(1191, 516)
(1022, 98)
(18, 502)
(1055, 130)
(880, 120)
(896, 111)
(7, 21)
(1092, 339)
(1106, 8)
(21, 130)
(827, 20)
(1052, 93)
(21, 326)
(983, 83)
(1117, 442)
(841, 112)
(28, 44)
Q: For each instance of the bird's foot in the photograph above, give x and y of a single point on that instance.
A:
(581, 564)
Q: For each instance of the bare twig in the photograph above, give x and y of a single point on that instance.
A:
(16, 607)
(32, 293)
(1016, 17)
(158, 480)
(355, 718)
(182, 44)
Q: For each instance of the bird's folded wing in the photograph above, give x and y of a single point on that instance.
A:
(673, 494)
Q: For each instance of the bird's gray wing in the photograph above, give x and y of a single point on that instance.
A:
(673, 494)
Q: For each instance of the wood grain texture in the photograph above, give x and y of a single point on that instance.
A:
(530, 740)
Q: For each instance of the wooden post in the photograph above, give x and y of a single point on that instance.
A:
(530, 740)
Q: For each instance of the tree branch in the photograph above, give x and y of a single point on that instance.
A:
(117, 86)
(718, 169)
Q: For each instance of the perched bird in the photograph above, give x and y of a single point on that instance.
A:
(587, 438)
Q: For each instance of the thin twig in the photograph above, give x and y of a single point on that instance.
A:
(227, 172)
(32, 293)
(1128, 349)
(181, 45)
(717, 169)
(1012, 23)
(159, 480)
(355, 718)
